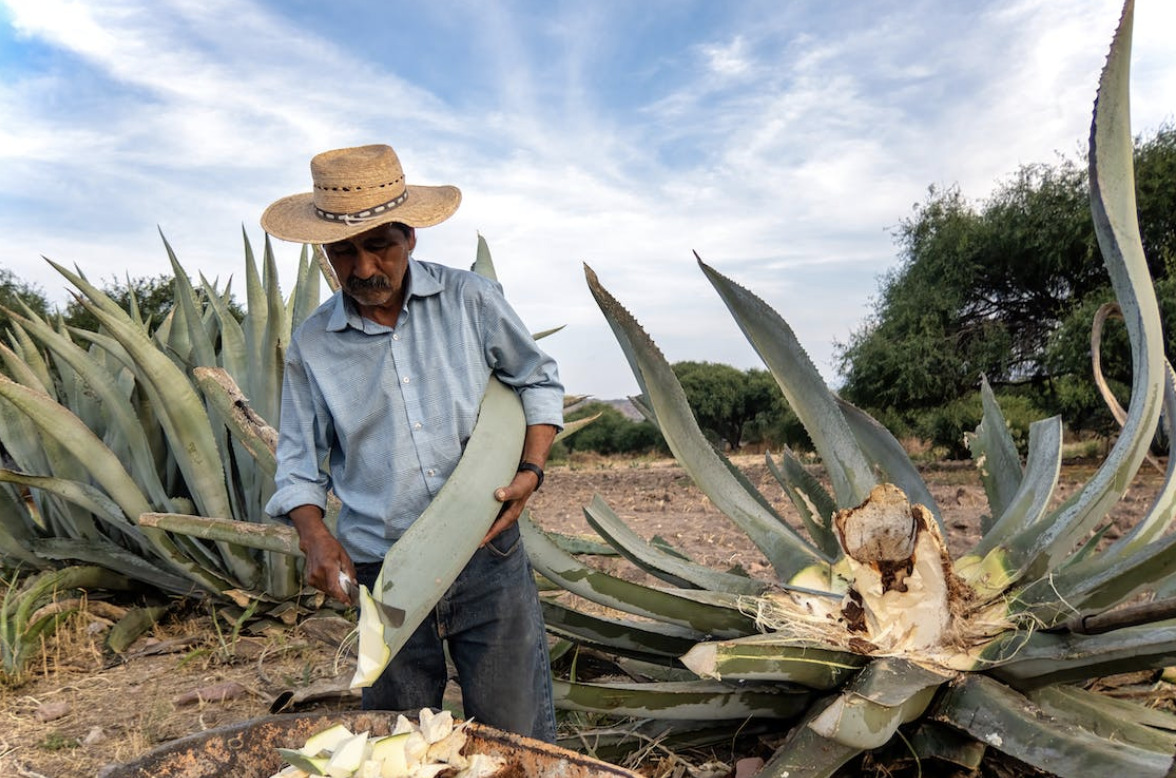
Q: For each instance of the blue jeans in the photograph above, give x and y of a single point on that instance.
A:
(491, 619)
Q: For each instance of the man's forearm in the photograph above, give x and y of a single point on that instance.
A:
(537, 443)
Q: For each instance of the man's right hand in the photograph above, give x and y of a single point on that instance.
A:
(325, 557)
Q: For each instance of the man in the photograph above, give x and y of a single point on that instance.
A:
(384, 381)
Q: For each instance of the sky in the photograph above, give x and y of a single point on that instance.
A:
(782, 141)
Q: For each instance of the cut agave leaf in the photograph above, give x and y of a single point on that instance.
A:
(374, 653)
(428, 557)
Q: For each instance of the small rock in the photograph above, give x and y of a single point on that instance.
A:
(51, 711)
(745, 768)
(216, 693)
(94, 736)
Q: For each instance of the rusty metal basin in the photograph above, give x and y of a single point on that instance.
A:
(248, 750)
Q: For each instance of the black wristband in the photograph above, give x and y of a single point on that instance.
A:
(531, 467)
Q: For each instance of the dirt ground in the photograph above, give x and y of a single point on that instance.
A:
(81, 709)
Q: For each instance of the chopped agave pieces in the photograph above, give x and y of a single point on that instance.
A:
(425, 750)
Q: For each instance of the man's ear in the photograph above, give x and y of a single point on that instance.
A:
(411, 238)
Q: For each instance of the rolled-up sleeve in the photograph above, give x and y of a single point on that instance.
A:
(303, 442)
(517, 360)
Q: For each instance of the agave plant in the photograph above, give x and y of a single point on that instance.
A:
(871, 631)
(101, 428)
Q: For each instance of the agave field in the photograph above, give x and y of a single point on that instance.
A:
(138, 459)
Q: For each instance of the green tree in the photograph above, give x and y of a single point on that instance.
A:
(153, 295)
(612, 432)
(13, 292)
(736, 407)
(1006, 289)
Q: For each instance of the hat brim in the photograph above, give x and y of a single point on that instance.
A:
(294, 218)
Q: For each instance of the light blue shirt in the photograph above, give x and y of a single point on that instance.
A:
(391, 408)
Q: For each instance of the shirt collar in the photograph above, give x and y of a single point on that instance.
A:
(423, 281)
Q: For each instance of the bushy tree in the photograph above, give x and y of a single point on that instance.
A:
(153, 295)
(613, 432)
(1006, 288)
(13, 292)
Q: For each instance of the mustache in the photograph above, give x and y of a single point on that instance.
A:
(376, 282)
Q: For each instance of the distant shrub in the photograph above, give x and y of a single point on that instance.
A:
(612, 433)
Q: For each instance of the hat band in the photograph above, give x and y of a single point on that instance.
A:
(360, 217)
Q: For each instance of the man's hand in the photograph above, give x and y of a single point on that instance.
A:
(327, 564)
(515, 495)
(536, 445)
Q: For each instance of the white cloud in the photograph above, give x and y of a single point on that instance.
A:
(782, 145)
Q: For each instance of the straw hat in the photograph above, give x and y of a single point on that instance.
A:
(354, 190)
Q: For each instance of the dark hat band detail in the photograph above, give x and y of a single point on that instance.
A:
(322, 188)
(360, 217)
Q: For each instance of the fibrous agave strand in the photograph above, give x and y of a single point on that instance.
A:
(873, 612)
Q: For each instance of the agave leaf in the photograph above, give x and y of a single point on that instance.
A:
(805, 754)
(1024, 510)
(1004, 719)
(16, 533)
(1044, 658)
(935, 741)
(202, 351)
(642, 639)
(35, 370)
(1109, 717)
(1105, 311)
(81, 494)
(272, 356)
(887, 693)
(52, 456)
(305, 297)
(1103, 587)
(59, 423)
(113, 557)
(573, 427)
(680, 700)
(483, 264)
(233, 354)
(280, 538)
(1112, 196)
(788, 553)
(1162, 514)
(995, 454)
(134, 625)
(815, 505)
(180, 409)
(223, 394)
(115, 404)
(424, 562)
(769, 658)
(604, 589)
(803, 388)
(254, 327)
(582, 544)
(668, 567)
(541, 334)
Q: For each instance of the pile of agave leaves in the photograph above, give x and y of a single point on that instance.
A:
(136, 462)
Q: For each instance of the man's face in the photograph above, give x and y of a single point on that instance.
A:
(371, 265)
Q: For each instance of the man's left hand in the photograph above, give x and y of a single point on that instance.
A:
(515, 496)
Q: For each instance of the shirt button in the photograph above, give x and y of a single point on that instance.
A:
(431, 473)
(405, 379)
(416, 426)
(396, 336)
